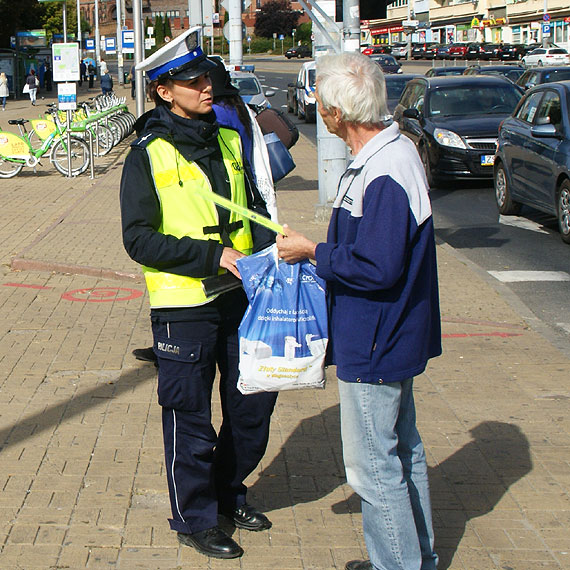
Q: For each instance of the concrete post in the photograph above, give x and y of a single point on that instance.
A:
(236, 36)
(139, 56)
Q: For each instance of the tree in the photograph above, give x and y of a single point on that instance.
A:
(167, 29)
(159, 31)
(19, 15)
(276, 17)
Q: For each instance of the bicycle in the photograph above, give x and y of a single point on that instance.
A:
(16, 151)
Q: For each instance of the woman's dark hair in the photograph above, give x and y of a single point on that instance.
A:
(238, 104)
(153, 95)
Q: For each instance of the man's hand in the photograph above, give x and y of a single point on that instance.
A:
(293, 246)
(229, 258)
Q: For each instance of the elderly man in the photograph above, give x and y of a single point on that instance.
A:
(380, 267)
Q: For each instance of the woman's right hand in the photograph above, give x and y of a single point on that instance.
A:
(229, 258)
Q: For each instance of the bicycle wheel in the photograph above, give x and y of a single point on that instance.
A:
(9, 169)
(105, 140)
(79, 156)
(116, 130)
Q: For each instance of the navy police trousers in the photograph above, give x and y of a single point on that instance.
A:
(205, 469)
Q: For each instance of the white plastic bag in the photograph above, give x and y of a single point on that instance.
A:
(283, 334)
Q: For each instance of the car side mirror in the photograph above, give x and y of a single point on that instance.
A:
(412, 114)
(269, 93)
(545, 131)
(528, 85)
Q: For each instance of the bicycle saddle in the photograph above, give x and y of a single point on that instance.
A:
(17, 121)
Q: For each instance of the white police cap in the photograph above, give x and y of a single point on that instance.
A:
(182, 58)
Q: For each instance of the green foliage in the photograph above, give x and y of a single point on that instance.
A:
(276, 17)
(167, 29)
(159, 31)
(303, 33)
(19, 15)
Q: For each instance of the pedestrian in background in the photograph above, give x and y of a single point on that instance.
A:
(82, 72)
(91, 72)
(380, 267)
(179, 238)
(33, 83)
(133, 86)
(48, 76)
(4, 90)
(106, 83)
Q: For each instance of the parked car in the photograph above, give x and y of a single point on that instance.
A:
(250, 88)
(395, 85)
(388, 63)
(476, 51)
(454, 122)
(531, 47)
(511, 52)
(424, 51)
(442, 51)
(532, 164)
(457, 51)
(546, 56)
(539, 75)
(299, 52)
(378, 49)
(491, 51)
(301, 94)
(512, 72)
(400, 50)
(448, 70)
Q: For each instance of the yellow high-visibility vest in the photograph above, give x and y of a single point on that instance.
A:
(185, 213)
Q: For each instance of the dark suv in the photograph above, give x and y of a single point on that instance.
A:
(511, 51)
(299, 51)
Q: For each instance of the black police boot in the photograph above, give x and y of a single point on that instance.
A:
(359, 565)
(146, 354)
(249, 518)
(212, 542)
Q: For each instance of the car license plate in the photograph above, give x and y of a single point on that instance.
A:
(487, 160)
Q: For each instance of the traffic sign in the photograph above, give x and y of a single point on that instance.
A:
(546, 17)
(546, 30)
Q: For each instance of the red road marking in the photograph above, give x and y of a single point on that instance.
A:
(102, 295)
(464, 335)
(25, 286)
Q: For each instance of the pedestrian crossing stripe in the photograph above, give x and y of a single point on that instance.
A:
(525, 276)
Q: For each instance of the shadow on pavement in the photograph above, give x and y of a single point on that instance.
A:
(52, 416)
(468, 484)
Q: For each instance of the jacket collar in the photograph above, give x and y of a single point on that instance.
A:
(384, 137)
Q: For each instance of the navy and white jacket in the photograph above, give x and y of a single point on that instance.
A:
(380, 265)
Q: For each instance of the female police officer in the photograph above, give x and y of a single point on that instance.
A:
(180, 238)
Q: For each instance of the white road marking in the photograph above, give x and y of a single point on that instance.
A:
(522, 276)
(523, 223)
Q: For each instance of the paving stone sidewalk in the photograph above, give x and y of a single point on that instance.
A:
(82, 481)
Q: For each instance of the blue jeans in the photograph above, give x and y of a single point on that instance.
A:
(386, 465)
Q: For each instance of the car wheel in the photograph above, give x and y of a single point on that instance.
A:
(299, 56)
(519, 56)
(540, 64)
(427, 166)
(563, 208)
(506, 205)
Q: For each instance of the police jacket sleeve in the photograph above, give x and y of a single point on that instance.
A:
(140, 220)
(262, 237)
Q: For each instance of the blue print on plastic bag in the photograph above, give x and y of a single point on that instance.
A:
(283, 334)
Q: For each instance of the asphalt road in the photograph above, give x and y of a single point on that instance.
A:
(525, 248)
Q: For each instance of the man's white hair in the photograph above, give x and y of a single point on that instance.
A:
(355, 85)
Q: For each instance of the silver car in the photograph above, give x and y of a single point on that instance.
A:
(250, 88)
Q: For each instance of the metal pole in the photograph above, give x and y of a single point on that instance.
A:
(64, 15)
(236, 38)
(409, 42)
(97, 38)
(78, 8)
(544, 12)
(139, 56)
(119, 43)
(351, 25)
(68, 116)
(91, 165)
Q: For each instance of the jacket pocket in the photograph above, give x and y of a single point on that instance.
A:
(183, 381)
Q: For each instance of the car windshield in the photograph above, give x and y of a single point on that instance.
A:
(312, 77)
(463, 101)
(246, 85)
(395, 85)
(384, 60)
(558, 75)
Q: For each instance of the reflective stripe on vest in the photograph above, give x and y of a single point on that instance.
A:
(186, 214)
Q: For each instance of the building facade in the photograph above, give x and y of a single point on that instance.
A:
(494, 21)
